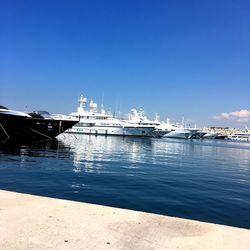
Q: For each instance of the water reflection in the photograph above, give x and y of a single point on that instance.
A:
(197, 151)
(98, 153)
(90, 153)
(28, 154)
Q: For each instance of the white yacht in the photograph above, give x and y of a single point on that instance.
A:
(209, 135)
(139, 118)
(206, 133)
(177, 130)
(199, 135)
(101, 123)
(240, 136)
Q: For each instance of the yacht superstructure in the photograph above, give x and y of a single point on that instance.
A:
(101, 123)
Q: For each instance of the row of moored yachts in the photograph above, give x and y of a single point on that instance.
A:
(15, 125)
(137, 124)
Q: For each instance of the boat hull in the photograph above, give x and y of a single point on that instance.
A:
(22, 128)
(119, 130)
(179, 134)
(241, 137)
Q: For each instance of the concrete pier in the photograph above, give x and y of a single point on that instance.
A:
(33, 222)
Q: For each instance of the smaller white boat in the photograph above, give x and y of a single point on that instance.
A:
(240, 136)
(210, 135)
(178, 131)
(198, 135)
(139, 118)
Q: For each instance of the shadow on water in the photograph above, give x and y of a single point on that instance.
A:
(203, 180)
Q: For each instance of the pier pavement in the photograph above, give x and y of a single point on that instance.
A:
(34, 222)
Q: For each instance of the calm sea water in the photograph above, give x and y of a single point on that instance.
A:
(201, 180)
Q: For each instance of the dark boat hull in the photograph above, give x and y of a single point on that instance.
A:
(21, 128)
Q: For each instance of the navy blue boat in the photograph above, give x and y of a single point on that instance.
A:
(19, 126)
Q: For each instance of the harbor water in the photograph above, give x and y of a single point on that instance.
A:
(200, 180)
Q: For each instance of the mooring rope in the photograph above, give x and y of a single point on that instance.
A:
(4, 132)
(40, 133)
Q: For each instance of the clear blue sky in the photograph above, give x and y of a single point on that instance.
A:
(177, 58)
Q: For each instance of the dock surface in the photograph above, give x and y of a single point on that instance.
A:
(34, 222)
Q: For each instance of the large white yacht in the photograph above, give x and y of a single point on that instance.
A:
(101, 123)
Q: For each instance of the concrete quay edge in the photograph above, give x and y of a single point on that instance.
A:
(35, 222)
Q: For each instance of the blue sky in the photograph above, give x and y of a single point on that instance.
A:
(177, 58)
